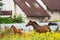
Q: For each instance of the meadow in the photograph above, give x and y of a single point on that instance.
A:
(32, 35)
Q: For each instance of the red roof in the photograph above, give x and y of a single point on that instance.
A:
(53, 5)
(30, 9)
(6, 13)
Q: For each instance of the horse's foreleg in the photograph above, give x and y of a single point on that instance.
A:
(20, 32)
(14, 32)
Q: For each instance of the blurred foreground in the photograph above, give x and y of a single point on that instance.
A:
(32, 35)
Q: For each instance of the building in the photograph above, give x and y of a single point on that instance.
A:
(53, 8)
(32, 9)
(29, 9)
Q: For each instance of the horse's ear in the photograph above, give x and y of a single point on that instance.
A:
(30, 21)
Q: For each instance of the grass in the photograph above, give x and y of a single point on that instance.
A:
(33, 36)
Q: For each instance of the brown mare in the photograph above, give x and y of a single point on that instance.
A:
(16, 30)
(38, 28)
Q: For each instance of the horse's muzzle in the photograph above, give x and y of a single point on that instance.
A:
(26, 25)
(21, 29)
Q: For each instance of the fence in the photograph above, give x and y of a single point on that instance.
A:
(23, 26)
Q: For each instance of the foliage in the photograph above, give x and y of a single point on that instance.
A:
(18, 19)
(6, 20)
(1, 4)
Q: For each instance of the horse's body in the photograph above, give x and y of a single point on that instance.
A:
(16, 30)
(38, 28)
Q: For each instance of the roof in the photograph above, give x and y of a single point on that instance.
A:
(30, 9)
(6, 13)
(53, 5)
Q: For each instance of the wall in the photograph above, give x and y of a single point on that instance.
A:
(20, 12)
(54, 15)
(33, 18)
(36, 19)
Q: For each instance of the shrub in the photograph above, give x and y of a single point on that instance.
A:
(6, 20)
(1, 4)
(18, 19)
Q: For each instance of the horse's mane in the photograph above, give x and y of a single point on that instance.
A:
(35, 22)
(13, 26)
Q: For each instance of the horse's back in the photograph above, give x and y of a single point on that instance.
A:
(42, 29)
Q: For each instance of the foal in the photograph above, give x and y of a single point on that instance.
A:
(38, 28)
(16, 30)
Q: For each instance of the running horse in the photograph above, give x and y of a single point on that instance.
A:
(15, 30)
(38, 28)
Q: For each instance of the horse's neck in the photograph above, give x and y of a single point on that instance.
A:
(14, 28)
(35, 25)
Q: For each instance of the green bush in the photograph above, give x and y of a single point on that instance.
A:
(18, 19)
(1, 4)
(6, 20)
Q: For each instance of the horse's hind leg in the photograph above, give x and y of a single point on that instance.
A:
(14, 32)
(49, 30)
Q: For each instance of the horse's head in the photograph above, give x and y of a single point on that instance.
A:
(12, 26)
(29, 23)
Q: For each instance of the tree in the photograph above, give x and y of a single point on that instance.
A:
(1, 4)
